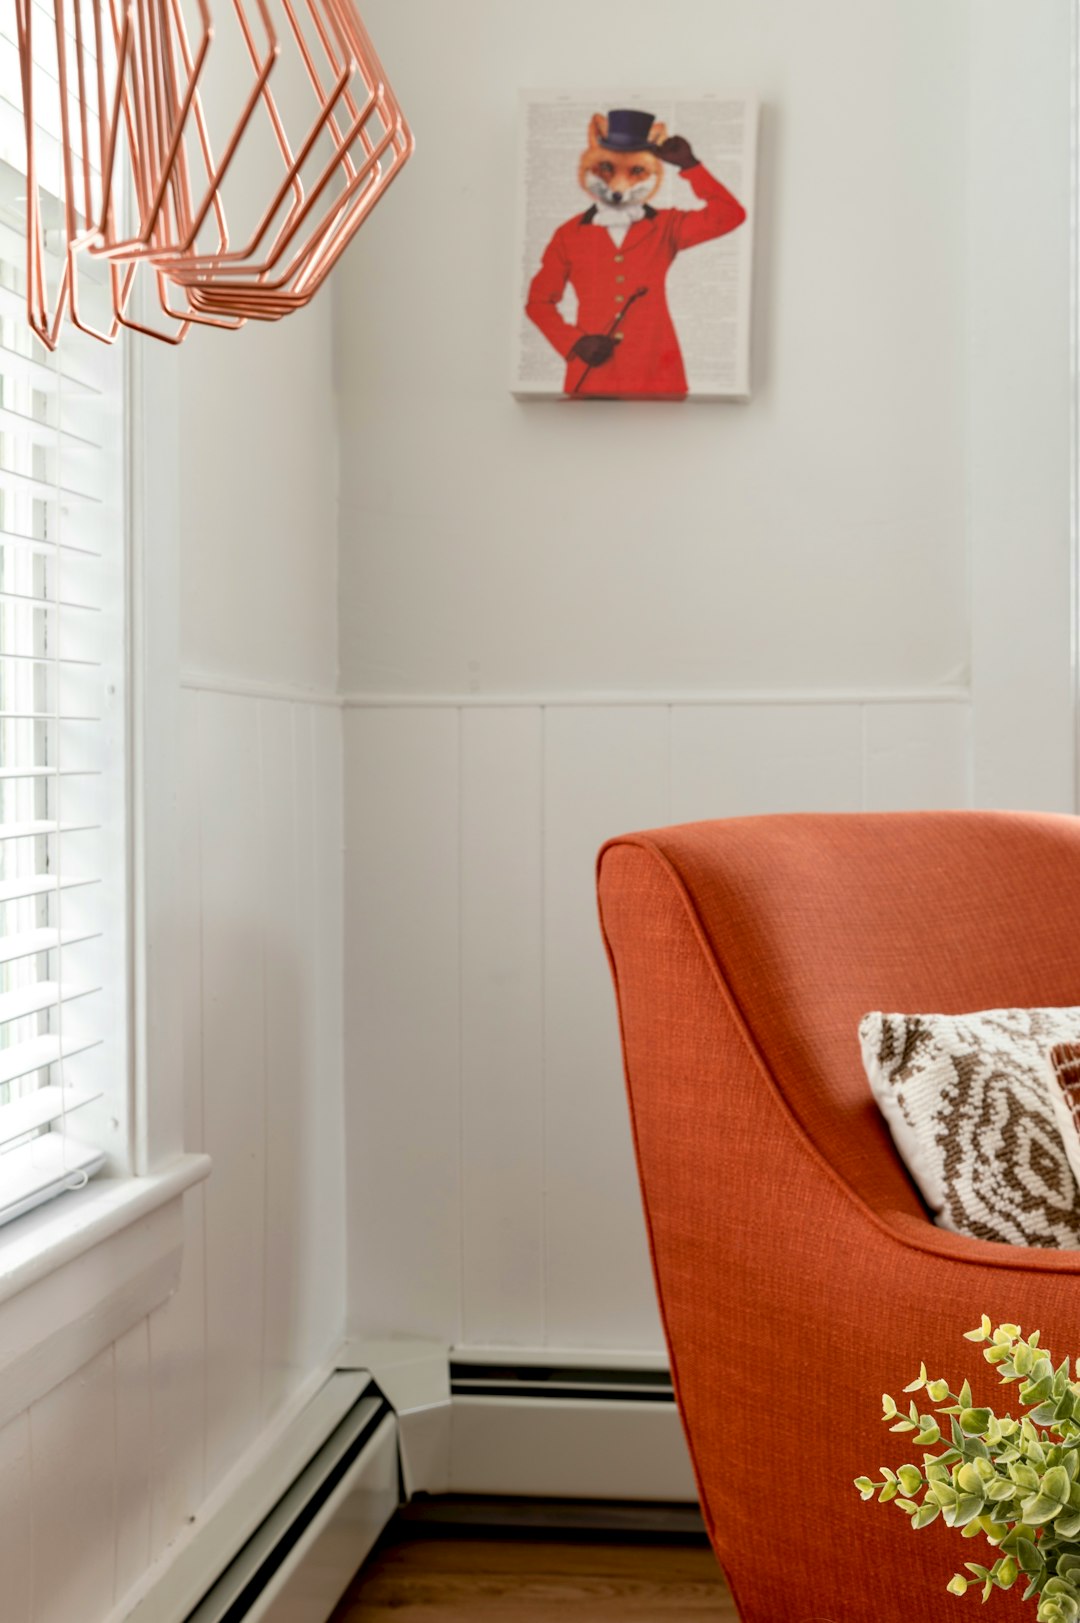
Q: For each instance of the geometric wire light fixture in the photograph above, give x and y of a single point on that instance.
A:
(247, 227)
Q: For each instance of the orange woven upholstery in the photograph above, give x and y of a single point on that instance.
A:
(787, 1240)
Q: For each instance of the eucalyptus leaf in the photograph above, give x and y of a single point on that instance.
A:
(995, 1531)
(968, 1507)
(1028, 1556)
(1040, 1508)
(1011, 1481)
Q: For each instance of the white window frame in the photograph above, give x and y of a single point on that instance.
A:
(86, 617)
(76, 1274)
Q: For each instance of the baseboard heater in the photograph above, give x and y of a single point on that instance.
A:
(551, 1381)
(288, 1538)
(299, 1561)
(560, 1430)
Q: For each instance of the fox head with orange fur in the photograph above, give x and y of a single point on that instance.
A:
(620, 179)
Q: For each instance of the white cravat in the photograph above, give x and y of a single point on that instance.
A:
(618, 218)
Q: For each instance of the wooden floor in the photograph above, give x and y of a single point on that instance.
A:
(537, 1580)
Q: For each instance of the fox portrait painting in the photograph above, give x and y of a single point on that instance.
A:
(619, 337)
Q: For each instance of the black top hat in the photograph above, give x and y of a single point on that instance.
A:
(627, 131)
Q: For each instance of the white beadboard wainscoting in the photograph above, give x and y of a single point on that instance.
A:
(492, 1196)
(99, 1477)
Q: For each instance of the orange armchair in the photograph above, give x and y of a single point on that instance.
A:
(786, 1237)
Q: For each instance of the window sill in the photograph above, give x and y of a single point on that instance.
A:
(80, 1272)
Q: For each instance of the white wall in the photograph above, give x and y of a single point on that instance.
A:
(1021, 393)
(815, 538)
(492, 1195)
(561, 622)
(259, 503)
(122, 1456)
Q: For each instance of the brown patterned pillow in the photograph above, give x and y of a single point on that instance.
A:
(970, 1107)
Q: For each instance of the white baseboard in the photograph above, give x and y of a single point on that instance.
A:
(304, 1556)
(537, 1423)
(569, 1449)
(282, 1539)
(171, 1589)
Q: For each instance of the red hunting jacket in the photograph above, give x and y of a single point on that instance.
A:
(648, 360)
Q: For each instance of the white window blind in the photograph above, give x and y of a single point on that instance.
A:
(63, 884)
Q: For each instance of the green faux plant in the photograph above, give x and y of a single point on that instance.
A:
(1015, 1482)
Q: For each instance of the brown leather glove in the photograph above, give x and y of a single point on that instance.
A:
(677, 150)
(595, 349)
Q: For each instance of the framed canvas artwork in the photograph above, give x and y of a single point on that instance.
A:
(636, 246)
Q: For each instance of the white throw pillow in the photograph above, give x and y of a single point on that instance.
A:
(969, 1104)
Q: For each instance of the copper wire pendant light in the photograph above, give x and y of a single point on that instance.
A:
(247, 227)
